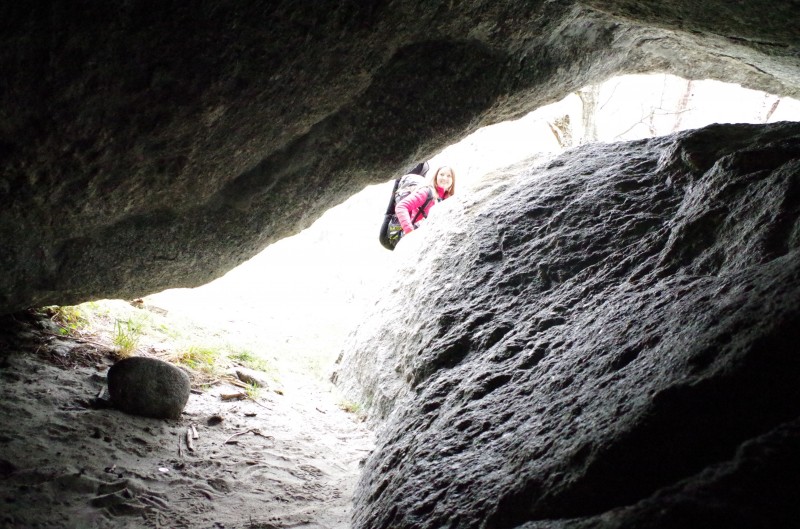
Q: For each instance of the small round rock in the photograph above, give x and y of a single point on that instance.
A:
(148, 387)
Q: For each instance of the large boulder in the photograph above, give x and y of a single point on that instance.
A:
(612, 344)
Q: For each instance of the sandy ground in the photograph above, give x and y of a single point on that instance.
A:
(289, 460)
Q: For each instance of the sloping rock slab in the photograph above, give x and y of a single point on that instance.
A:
(618, 347)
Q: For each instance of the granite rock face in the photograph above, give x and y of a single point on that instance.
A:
(147, 146)
(610, 341)
(148, 387)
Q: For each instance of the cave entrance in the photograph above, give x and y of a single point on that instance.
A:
(290, 309)
(297, 301)
(294, 454)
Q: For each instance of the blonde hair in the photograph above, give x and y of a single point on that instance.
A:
(452, 189)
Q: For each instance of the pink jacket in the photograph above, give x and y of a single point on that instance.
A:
(407, 208)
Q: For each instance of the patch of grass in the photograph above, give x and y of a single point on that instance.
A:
(201, 358)
(253, 391)
(168, 331)
(126, 336)
(250, 360)
(130, 329)
(350, 406)
(70, 319)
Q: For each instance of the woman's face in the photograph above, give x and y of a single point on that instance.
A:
(444, 178)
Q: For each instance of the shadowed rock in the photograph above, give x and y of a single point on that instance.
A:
(615, 345)
(148, 387)
(616, 349)
(154, 146)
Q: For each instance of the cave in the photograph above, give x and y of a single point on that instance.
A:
(604, 339)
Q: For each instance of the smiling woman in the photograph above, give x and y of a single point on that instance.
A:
(413, 209)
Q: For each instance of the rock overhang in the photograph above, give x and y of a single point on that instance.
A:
(151, 147)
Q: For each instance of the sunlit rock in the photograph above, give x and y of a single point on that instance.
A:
(612, 344)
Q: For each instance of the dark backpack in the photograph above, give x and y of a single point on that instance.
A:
(391, 231)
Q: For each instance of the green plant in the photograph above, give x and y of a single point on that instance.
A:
(201, 358)
(168, 331)
(253, 391)
(248, 359)
(350, 406)
(69, 319)
(126, 336)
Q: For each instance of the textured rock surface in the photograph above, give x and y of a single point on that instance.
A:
(618, 347)
(148, 387)
(149, 146)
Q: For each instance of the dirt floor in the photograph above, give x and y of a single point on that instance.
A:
(290, 458)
